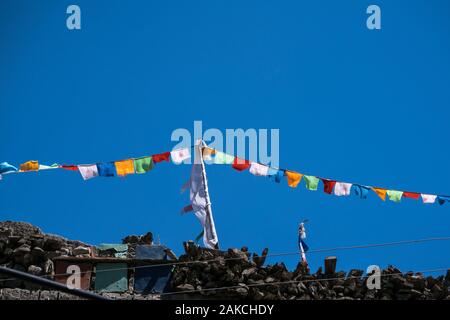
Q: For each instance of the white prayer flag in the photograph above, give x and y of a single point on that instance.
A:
(180, 155)
(342, 188)
(428, 198)
(200, 202)
(88, 171)
(259, 169)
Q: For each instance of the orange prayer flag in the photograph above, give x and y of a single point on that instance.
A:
(124, 167)
(380, 192)
(293, 178)
(29, 166)
(208, 153)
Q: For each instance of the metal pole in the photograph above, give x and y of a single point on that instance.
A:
(51, 284)
(208, 209)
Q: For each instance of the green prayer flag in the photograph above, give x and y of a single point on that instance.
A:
(142, 165)
(223, 158)
(312, 182)
(394, 195)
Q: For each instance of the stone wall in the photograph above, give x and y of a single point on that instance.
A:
(205, 273)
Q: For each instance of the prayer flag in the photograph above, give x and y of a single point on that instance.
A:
(293, 178)
(428, 198)
(328, 185)
(124, 167)
(412, 195)
(5, 167)
(258, 169)
(361, 191)
(88, 171)
(178, 156)
(395, 195)
(223, 158)
(208, 153)
(342, 189)
(380, 192)
(161, 157)
(29, 166)
(106, 169)
(70, 167)
(312, 182)
(142, 165)
(241, 164)
(45, 167)
(443, 199)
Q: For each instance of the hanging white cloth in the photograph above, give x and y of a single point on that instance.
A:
(200, 201)
(180, 155)
(88, 171)
(342, 188)
(259, 169)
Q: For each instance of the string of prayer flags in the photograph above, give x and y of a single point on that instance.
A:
(361, 191)
(124, 167)
(178, 156)
(293, 178)
(161, 157)
(328, 185)
(395, 195)
(223, 158)
(29, 166)
(428, 198)
(240, 164)
(312, 182)
(107, 169)
(258, 169)
(380, 192)
(342, 188)
(88, 171)
(143, 165)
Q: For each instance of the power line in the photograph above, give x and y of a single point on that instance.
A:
(375, 245)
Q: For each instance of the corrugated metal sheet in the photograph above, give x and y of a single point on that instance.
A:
(152, 279)
(111, 277)
(151, 252)
(65, 269)
(119, 250)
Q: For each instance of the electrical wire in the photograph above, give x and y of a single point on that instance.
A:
(176, 263)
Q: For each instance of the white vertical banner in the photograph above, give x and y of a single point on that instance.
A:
(199, 197)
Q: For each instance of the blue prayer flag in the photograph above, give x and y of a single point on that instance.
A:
(107, 169)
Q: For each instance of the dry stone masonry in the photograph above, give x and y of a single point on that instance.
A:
(207, 274)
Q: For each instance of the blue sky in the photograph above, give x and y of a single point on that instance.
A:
(351, 104)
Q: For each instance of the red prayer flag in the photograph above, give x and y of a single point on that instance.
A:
(240, 164)
(412, 195)
(328, 185)
(70, 167)
(161, 157)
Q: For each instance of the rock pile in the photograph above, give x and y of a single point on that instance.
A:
(24, 247)
(246, 279)
(204, 274)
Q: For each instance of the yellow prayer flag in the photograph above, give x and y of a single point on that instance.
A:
(29, 166)
(124, 167)
(293, 178)
(380, 192)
